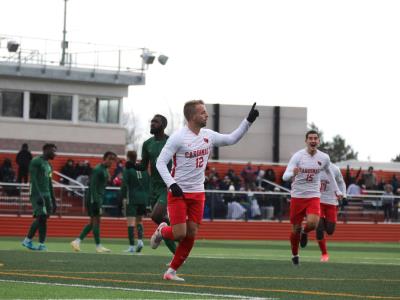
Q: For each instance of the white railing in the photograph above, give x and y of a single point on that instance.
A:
(272, 204)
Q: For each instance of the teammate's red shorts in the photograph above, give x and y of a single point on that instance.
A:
(300, 207)
(189, 208)
(329, 212)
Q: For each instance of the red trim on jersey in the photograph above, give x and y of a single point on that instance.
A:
(173, 165)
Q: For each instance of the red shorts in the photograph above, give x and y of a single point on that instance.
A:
(189, 208)
(300, 207)
(329, 212)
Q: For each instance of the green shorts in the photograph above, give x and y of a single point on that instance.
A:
(135, 210)
(158, 193)
(44, 209)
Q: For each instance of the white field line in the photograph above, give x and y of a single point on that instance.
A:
(131, 289)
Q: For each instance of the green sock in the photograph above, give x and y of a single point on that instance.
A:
(32, 230)
(131, 235)
(42, 231)
(140, 231)
(85, 231)
(96, 234)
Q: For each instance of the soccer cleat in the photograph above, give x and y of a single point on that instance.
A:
(41, 247)
(296, 260)
(131, 249)
(139, 246)
(303, 239)
(101, 249)
(28, 244)
(76, 246)
(171, 275)
(324, 257)
(156, 238)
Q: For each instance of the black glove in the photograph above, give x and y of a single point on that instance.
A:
(253, 114)
(176, 190)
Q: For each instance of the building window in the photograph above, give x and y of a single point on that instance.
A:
(108, 111)
(38, 106)
(60, 107)
(53, 107)
(87, 109)
(11, 104)
(99, 110)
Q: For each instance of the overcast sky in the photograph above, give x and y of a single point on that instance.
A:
(340, 59)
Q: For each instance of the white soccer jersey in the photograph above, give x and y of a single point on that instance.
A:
(306, 183)
(190, 152)
(328, 195)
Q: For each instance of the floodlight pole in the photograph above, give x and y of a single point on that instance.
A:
(64, 42)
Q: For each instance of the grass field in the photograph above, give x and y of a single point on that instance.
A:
(216, 269)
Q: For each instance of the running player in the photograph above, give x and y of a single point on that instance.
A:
(41, 196)
(190, 148)
(134, 191)
(329, 208)
(158, 190)
(304, 169)
(94, 200)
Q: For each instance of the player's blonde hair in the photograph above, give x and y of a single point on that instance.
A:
(190, 108)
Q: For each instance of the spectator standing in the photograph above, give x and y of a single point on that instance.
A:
(387, 202)
(248, 176)
(23, 160)
(7, 175)
(370, 179)
(68, 170)
(395, 183)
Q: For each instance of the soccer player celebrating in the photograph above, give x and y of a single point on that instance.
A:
(41, 196)
(94, 200)
(134, 190)
(190, 148)
(329, 208)
(151, 149)
(304, 169)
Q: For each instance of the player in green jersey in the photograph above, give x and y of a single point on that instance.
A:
(94, 200)
(158, 191)
(41, 196)
(135, 194)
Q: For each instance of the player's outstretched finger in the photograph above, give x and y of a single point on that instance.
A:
(254, 105)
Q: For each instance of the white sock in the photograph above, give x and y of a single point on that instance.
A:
(170, 270)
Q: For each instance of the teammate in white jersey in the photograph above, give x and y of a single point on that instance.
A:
(189, 148)
(304, 169)
(329, 208)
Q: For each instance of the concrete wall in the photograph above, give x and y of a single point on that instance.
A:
(257, 144)
(63, 87)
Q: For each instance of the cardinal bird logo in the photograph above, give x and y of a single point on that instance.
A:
(206, 140)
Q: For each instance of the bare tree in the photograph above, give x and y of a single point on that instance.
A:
(133, 135)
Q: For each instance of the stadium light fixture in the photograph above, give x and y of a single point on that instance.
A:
(162, 59)
(12, 46)
(148, 58)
